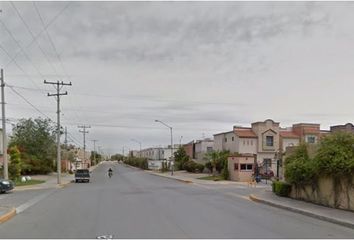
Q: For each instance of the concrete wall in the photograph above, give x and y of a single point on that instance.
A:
(247, 145)
(325, 193)
(201, 149)
(218, 142)
(230, 144)
(154, 164)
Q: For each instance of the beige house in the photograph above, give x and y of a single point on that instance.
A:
(241, 168)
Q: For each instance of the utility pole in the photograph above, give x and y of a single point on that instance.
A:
(66, 138)
(84, 133)
(58, 86)
(94, 150)
(4, 139)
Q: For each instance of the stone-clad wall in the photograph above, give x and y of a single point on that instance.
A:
(326, 192)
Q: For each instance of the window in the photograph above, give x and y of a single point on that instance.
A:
(248, 142)
(235, 166)
(232, 138)
(252, 142)
(246, 167)
(225, 139)
(244, 142)
(209, 149)
(269, 141)
(311, 139)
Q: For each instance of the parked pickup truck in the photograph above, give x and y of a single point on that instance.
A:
(82, 175)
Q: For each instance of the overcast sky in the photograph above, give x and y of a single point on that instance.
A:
(200, 67)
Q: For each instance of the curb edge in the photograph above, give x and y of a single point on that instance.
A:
(7, 216)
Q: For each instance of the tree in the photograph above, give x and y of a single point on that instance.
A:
(218, 159)
(180, 157)
(299, 168)
(335, 155)
(118, 157)
(95, 155)
(35, 139)
(15, 163)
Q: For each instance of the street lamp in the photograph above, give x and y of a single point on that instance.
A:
(180, 141)
(139, 144)
(171, 141)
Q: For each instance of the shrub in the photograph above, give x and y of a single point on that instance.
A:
(191, 166)
(199, 167)
(209, 166)
(335, 155)
(299, 168)
(225, 174)
(281, 188)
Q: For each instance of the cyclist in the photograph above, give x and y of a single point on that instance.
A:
(110, 172)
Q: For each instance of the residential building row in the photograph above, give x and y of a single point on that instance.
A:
(261, 145)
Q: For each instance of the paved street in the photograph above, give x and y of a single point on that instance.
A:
(135, 204)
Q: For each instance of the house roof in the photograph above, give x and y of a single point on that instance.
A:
(288, 134)
(245, 133)
(222, 133)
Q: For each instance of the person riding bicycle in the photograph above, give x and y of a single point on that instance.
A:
(110, 172)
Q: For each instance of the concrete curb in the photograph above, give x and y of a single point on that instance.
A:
(7, 216)
(180, 180)
(63, 185)
(126, 165)
(303, 212)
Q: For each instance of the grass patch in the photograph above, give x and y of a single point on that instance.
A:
(30, 182)
(212, 178)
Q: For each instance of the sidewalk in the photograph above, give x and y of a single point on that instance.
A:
(186, 177)
(341, 217)
(51, 181)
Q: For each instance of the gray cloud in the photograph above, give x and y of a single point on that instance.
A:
(200, 66)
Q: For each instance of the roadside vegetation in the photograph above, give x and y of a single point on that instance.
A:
(28, 182)
(32, 147)
(213, 178)
(137, 162)
(334, 158)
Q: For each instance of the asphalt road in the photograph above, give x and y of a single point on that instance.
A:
(135, 204)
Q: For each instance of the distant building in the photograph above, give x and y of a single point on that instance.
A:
(155, 155)
(190, 149)
(202, 148)
(349, 128)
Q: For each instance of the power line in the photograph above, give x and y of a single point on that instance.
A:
(27, 101)
(50, 39)
(19, 67)
(21, 48)
(33, 36)
(40, 33)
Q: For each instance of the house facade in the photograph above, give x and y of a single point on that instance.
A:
(202, 148)
(189, 148)
(241, 167)
(156, 155)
